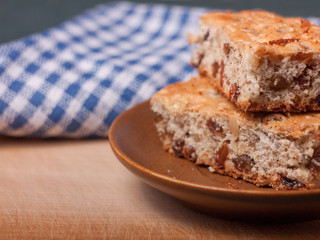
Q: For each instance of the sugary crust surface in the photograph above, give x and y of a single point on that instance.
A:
(260, 60)
(267, 33)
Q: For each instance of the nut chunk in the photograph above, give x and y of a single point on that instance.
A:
(267, 149)
(259, 60)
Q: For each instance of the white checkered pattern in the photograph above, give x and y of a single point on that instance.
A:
(74, 79)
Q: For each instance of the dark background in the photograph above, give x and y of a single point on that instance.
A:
(19, 18)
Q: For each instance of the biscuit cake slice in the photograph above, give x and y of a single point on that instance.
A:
(259, 60)
(268, 149)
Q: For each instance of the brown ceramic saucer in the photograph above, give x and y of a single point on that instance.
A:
(134, 141)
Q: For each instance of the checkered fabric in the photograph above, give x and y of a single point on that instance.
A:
(74, 79)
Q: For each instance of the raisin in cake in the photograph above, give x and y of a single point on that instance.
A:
(259, 60)
(268, 149)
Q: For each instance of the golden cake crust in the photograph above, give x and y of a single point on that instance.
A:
(267, 33)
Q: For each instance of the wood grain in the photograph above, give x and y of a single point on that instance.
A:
(77, 189)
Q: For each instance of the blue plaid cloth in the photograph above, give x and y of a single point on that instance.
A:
(73, 80)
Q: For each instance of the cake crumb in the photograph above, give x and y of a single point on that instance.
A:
(233, 186)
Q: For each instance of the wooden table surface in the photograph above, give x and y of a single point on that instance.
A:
(77, 189)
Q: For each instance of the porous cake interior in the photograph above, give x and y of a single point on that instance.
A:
(270, 83)
(230, 142)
